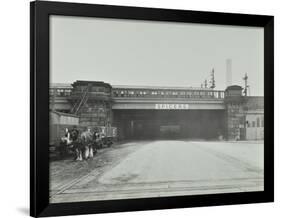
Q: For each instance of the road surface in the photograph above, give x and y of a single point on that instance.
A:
(159, 168)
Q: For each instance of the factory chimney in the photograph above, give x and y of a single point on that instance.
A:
(228, 72)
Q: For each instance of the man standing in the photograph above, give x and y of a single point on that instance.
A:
(86, 138)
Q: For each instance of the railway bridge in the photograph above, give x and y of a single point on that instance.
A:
(151, 112)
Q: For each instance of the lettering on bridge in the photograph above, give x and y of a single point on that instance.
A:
(171, 106)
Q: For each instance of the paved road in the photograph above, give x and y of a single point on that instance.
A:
(160, 168)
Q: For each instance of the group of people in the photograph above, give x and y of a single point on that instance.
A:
(84, 144)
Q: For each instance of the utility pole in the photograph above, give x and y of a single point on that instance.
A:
(245, 78)
(212, 82)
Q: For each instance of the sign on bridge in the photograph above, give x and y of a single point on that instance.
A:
(171, 106)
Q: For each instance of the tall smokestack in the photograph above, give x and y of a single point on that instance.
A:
(228, 72)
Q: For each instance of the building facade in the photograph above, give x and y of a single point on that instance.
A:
(142, 112)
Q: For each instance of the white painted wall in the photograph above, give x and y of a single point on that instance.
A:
(255, 133)
(255, 129)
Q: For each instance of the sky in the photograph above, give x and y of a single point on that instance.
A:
(145, 53)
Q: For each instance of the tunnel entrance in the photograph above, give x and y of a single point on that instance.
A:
(169, 124)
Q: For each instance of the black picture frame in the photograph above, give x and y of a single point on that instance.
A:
(39, 107)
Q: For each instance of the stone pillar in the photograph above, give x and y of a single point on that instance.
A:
(234, 112)
(96, 109)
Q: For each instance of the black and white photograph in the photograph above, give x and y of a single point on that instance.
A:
(145, 109)
(119, 108)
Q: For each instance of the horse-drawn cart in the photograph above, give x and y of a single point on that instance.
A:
(106, 135)
(61, 123)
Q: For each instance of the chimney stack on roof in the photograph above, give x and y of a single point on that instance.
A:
(228, 72)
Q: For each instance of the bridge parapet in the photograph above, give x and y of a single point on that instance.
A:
(158, 93)
(133, 97)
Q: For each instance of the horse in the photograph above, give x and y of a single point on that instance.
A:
(84, 145)
(72, 140)
(88, 141)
